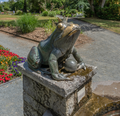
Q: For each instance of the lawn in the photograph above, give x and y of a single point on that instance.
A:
(14, 17)
(107, 24)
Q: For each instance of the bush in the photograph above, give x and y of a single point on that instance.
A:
(45, 13)
(27, 23)
(19, 12)
(52, 13)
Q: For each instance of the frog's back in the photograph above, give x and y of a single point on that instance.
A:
(45, 48)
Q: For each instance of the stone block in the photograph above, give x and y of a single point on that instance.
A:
(63, 98)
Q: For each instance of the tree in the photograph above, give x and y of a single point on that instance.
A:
(6, 6)
(25, 6)
(1, 8)
(101, 3)
(91, 4)
(76, 4)
(19, 5)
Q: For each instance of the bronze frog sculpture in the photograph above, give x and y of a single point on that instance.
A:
(56, 49)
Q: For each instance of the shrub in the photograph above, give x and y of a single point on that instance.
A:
(45, 13)
(27, 23)
(19, 12)
(52, 13)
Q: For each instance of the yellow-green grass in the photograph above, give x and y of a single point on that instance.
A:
(107, 24)
(14, 17)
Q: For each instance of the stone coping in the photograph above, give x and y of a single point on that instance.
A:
(63, 88)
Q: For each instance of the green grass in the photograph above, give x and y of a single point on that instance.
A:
(46, 17)
(14, 17)
(107, 24)
(46, 22)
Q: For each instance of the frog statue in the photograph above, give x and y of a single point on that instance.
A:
(55, 51)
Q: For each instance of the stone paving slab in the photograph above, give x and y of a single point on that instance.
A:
(11, 98)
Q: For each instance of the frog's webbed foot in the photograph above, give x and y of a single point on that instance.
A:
(81, 66)
(60, 77)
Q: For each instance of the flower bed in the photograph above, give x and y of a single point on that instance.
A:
(8, 65)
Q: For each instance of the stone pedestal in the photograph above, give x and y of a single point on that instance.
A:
(63, 98)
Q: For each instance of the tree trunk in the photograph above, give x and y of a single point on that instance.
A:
(91, 4)
(25, 6)
(102, 3)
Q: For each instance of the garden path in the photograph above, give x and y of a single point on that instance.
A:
(11, 94)
(103, 52)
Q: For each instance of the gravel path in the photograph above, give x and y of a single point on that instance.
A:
(103, 52)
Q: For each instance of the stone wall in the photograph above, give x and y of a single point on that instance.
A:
(38, 98)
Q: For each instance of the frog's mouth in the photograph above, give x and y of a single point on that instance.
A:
(73, 32)
(68, 38)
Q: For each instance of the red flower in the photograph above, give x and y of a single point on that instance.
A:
(3, 80)
(3, 76)
(7, 79)
(10, 74)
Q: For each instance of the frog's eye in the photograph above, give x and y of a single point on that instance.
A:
(60, 25)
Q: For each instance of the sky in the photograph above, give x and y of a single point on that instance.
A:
(3, 0)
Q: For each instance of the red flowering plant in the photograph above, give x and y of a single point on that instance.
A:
(8, 65)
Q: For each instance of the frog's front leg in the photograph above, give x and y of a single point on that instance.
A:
(53, 64)
(81, 64)
(34, 58)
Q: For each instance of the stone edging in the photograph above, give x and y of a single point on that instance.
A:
(106, 109)
(10, 81)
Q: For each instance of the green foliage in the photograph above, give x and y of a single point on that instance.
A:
(27, 23)
(58, 3)
(73, 11)
(48, 25)
(6, 8)
(7, 23)
(88, 13)
(57, 12)
(109, 11)
(2, 48)
(19, 12)
(77, 4)
(1, 8)
(52, 13)
(68, 15)
(45, 13)
(18, 5)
